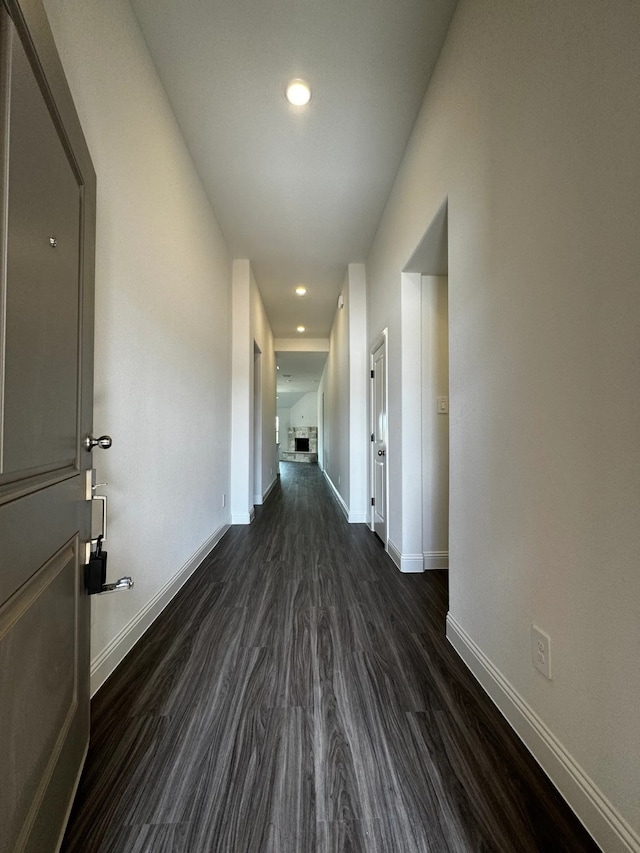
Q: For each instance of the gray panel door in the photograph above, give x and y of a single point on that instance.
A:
(46, 337)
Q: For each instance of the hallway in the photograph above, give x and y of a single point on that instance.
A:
(299, 695)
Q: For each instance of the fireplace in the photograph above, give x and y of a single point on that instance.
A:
(302, 445)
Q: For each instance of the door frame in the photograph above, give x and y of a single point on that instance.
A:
(256, 428)
(381, 340)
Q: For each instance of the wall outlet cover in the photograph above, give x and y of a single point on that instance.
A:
(541, 651)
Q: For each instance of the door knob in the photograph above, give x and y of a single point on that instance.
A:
(381, 453)
(104, 442)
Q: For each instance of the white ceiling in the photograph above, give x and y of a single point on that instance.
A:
(298, 191)
(298, 373)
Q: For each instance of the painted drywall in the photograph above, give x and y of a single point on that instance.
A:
(408, 542)
(334, 384)
(530, 128)
(254, 431)
(305, 411)
(262, 336)
(242, 396)
(435, 424)
(359, 427)
(256, 474)
(285, 423)
(344, 441)
(162, 345)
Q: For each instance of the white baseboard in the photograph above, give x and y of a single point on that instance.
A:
(104, 664)
(258, 500)
(395, 554)
(601, 819)
(435, 560)
(269, 488)
(243, 517)
(352, 517)
(357, 517)
(411, 563)
(337, 495)
(407, 563)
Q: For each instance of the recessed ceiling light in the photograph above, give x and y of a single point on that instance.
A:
(298, 93)
(301, 290)
(301, 328)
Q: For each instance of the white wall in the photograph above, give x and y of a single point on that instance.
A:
(242, 396)
(256, 473)
(251, 479)
(285, 423)
(304, 413)
(162, 349)
(335, 386)
(263, 336)
(344, 384)
(435, 425)
(531, 129)
(359, 443)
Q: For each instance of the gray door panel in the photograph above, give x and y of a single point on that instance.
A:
(38, 672)
(42, 293)
(24, 549)
(46, 343)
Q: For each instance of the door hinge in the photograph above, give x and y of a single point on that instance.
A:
(372, 374)
(373, 501)
(373, 438)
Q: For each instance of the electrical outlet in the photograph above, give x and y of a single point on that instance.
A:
(224, 501)
(541, 651)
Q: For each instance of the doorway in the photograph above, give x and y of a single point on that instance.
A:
(379, 443)
(435, 421)
(425, 401)
(256, 468)
(321, 436)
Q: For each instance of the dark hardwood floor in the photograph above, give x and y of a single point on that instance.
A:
(299, 695)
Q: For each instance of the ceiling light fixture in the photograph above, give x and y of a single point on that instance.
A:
(298, 93)
(301, 328)
(301, 290)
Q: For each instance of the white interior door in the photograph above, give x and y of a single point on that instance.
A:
(379, 440)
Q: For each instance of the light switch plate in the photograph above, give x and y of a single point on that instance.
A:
(442, 405)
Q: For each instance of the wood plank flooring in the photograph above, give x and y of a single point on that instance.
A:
(299, 696)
